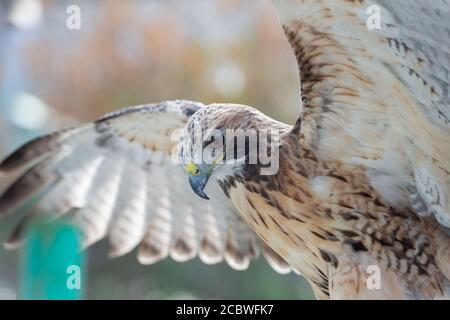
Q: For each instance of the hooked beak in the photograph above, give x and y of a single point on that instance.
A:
(198, 183)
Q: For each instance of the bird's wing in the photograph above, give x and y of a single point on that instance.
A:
(115, 177)
(379, 97)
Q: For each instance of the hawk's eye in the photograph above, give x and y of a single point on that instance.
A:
(192, 169)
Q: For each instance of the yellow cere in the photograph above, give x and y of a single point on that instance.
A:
(192, 169)
(217, 161)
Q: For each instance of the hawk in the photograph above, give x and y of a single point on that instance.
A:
(363, 176)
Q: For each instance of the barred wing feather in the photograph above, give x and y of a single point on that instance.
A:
(116, 178)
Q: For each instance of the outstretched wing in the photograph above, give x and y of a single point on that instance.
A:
(116, 178)
(375, 81)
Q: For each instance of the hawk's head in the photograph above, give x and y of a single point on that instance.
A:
(222, 140)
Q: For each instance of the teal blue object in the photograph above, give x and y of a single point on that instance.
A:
(52, 266)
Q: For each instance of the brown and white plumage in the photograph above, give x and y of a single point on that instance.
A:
(368, 159)
(326, 219)
(363, 175)
(379, 98)
(115, 178)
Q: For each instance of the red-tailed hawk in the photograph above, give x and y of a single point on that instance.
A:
(362, 179)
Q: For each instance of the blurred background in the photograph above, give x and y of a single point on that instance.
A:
(55, 73)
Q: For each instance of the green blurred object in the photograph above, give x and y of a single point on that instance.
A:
(52, 266)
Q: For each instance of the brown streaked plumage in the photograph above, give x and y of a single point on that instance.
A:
(363, 177)
(327, 221)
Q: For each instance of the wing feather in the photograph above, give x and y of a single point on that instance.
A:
(129, 218)
(115, 178)
(378, 98)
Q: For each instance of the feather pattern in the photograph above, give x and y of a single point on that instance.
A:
(363, 179)
(378, 98)
(116, 178)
